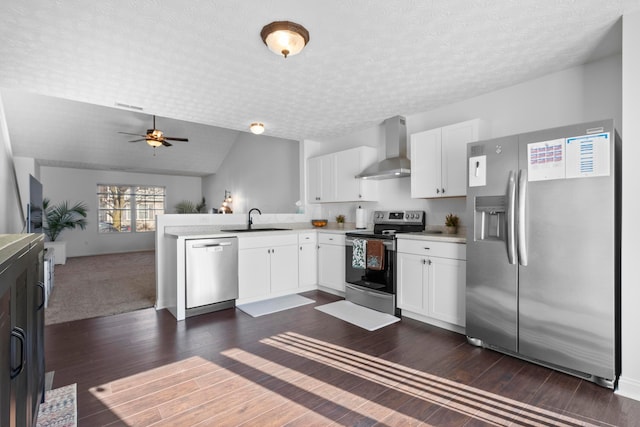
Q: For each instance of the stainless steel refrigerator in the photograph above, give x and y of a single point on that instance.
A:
(543, 248)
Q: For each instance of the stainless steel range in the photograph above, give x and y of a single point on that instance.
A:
(371, 259)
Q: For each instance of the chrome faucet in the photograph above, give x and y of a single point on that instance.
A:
(249, 220)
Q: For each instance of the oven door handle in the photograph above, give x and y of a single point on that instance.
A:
(386, 243)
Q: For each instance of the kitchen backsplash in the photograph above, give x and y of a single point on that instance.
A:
(394, 194)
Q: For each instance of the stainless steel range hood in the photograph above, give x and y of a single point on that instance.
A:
(396, 164)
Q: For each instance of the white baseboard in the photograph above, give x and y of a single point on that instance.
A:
(434, 322)
(331, 291)
(628, 387)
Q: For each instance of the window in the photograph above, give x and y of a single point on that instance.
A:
(127, 208)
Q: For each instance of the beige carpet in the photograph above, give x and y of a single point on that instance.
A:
(102, 285)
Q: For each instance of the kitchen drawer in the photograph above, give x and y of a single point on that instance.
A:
(308, 237)
(267, 241)
(433, 248)
(331, 239)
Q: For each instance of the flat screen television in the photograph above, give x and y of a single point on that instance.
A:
(34, 209)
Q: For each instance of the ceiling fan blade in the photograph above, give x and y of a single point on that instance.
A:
(137, 140)
(134, 134)
(166, 144)
(176, 139)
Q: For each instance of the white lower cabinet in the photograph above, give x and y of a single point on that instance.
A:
(267, 265)
(253, 273)
(432, 280)
(308, 260)
(331, 262)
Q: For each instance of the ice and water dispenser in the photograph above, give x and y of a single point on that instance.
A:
(490, 218)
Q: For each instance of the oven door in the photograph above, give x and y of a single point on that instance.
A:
(377, 280)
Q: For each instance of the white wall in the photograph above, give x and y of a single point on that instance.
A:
(629, 384)
(261, 172)
(11, 214)
(77, 185)
(587, 92)
(579, 94)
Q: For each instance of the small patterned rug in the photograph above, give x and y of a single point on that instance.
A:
(59, 408)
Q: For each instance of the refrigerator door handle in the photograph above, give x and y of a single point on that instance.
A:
(511, 218)
(523, 256)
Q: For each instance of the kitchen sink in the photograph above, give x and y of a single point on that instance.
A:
(245, 230)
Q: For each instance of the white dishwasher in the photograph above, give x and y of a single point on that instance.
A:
(212, 273)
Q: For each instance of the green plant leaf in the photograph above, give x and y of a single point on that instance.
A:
(63, 216)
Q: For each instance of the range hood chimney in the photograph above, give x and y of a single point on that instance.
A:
(396, 164)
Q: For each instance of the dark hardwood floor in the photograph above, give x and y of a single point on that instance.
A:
(302, 367)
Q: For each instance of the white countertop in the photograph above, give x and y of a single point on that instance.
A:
(213, 231)
(210, 231)
(448, 238)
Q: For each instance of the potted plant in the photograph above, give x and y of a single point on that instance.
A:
(451, 223)
(187, 207)
(340, 220)
(57, 219)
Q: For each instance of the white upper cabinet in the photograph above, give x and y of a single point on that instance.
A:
(331, 178)
(438, 160)
(321, 179)
(426, 163)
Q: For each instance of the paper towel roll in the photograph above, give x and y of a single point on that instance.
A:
(361, 218)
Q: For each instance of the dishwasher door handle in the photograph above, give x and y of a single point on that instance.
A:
(211, 245)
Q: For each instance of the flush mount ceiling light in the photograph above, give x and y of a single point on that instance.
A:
(257, 128)
(285, 38)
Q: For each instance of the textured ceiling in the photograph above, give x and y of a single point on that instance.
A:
(204, 62)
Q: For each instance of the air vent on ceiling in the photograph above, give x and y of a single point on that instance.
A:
(130, 107)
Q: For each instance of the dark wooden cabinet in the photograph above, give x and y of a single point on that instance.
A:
(21, 329)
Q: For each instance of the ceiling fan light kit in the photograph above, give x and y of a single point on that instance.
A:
(154, 143)
(257, 128)
(284, 37)
(155, 137)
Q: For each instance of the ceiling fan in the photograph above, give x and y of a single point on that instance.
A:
(155, 137)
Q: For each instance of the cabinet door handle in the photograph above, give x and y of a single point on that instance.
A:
(19, 335)
(429, 262)
(424, 261)
(42, 295)
(443, 191)
(427, 248)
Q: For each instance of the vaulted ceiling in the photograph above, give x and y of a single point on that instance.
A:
(203, 69)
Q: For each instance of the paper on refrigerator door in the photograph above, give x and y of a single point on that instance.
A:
(477, 171)
(588, 155)
(546, 160)
(575, 157)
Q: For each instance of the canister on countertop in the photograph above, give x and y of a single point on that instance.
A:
(361, 218)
